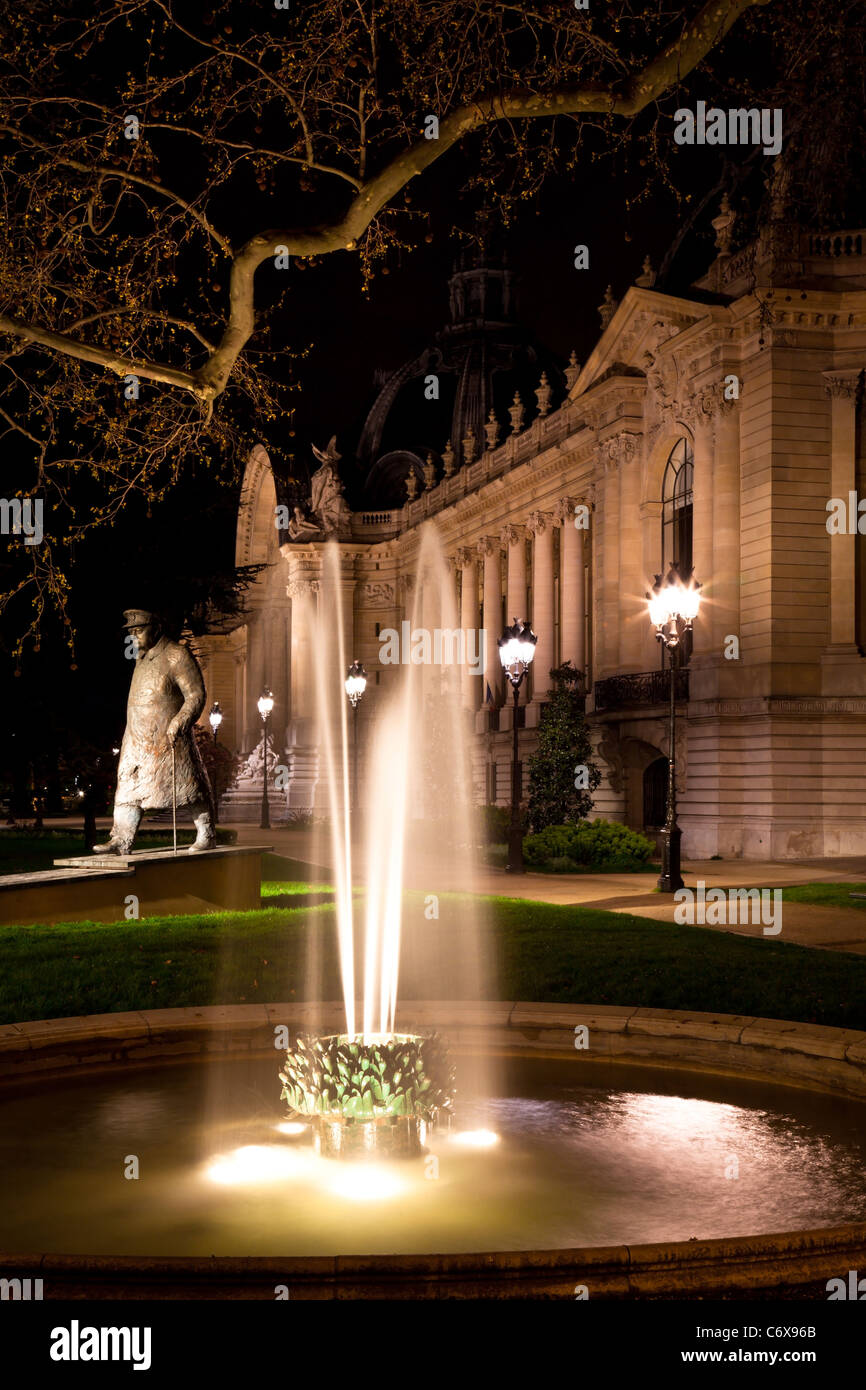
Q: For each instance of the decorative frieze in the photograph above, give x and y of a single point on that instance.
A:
(840, 386)
(620, 449)
(564, 510)
(538, 522)
(302, 588)
(377, 592)
(512, 534)
(767, 705)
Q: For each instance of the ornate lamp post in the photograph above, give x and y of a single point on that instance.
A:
(673, 606)
(215, 718)
(516, 651)
(356, 684)
(265, 704)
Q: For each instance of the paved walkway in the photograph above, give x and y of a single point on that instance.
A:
(833, 928)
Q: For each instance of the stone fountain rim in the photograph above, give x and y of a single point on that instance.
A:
(816, 1056)
(811, 1056)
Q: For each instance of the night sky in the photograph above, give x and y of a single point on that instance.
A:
(50, 707)
(351, 334)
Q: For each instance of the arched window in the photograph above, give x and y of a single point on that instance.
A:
(677, 508)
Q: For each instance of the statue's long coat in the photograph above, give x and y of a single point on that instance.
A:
(166, 681)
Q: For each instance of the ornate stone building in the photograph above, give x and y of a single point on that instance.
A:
(712, 430)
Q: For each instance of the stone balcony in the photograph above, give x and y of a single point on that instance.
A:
(544, 432)
(787, 256)
(638, 690)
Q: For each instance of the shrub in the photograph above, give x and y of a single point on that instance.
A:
(597, 844)
(493, 823)
(556, 797)
(552, 843)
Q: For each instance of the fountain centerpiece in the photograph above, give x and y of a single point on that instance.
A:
(369, 1094)
(372, 1088)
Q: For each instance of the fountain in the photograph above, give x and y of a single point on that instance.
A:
(433, 1140)
(369, 1088)
(369, 1095)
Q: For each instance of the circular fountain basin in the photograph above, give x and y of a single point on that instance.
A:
(624, 1152)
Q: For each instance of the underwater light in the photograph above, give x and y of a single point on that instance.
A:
(365, 1182)
(292, 1127)
(475, 1138)
(254, 1163)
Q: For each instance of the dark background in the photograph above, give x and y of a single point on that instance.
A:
(58, 715)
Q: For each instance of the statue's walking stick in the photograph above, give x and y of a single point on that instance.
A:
(173, 801)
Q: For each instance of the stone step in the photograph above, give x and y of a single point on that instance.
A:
(246, 806)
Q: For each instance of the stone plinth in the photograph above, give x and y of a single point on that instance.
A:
(100, 888)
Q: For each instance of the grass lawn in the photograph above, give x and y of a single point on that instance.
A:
(537, 951)
(283, 875)
(826, 894)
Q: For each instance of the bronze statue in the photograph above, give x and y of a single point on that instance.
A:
(166, 697)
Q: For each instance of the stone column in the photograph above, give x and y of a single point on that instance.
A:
(513, 537)
(237, 713)
(488, 549)
(280, 674)
(608, 592)
(543, 615)
(303, 598)
(256, 676)
(841, 387)
(303, 791)
(724, 611)
(703, 527)
(631, 583)
(572, 587)
(467, 561)
(448, 677)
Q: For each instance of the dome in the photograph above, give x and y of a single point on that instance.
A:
(473, 365)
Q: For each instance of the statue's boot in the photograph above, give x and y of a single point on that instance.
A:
(123, 831)
(205, 836)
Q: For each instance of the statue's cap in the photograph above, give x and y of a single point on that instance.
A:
(137, 617)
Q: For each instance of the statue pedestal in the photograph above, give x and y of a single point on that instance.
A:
(147, 883)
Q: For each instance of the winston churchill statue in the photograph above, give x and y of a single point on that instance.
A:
(166, 697)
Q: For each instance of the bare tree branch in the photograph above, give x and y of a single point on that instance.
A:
(714, 21)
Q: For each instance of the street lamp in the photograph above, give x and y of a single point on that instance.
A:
(215, 718)
(516, 651)
(673, 606)
(356, 684)
(266, 704)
